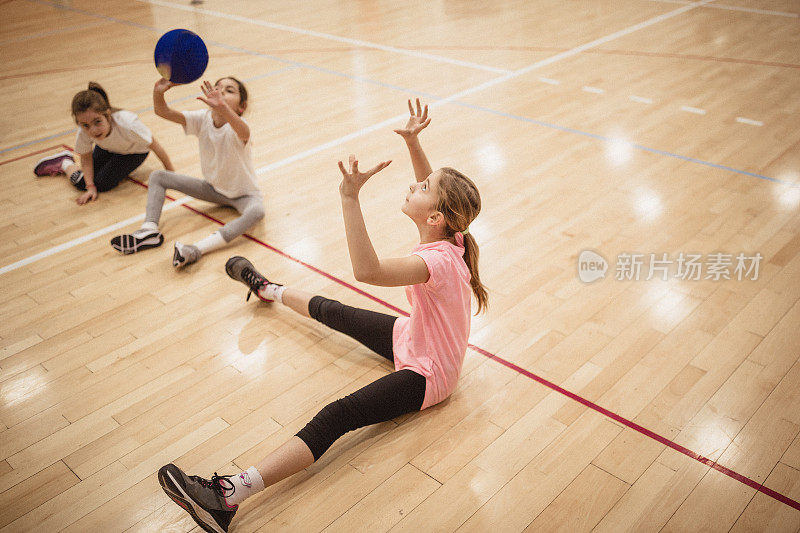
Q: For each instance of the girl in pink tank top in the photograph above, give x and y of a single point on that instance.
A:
(427, 347)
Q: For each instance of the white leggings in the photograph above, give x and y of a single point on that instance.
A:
(249, 206)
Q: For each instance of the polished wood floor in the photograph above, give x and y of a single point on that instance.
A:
(619, 127)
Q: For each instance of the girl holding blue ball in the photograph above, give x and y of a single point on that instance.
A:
(227, 166)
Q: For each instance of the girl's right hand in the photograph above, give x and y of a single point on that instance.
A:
(416, 122)
(88, 196)
(353, 179)
(163, 86)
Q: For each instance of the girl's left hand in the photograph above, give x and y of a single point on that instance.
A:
(353, 180)
(417, 121)
(213, 97)
(88, 196)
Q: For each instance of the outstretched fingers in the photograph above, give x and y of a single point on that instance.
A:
(353, 171)
(377, 168)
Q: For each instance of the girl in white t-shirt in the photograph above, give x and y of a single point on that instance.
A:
(111, 142)
(226, 163)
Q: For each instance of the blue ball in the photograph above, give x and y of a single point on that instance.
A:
(181, 56)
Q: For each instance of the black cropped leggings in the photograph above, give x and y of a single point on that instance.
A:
(109, 169)
(386, 398)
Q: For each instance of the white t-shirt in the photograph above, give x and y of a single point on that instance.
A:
(225, 160)
(128, 136)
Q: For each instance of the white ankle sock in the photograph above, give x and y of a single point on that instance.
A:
(65, 164)
(210, 243)
(147, 227)
(245, 485)
(272, 291)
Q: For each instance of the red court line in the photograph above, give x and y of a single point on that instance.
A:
(549, 384)
(49, 148)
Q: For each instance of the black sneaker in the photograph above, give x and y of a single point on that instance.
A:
(240, 269)
(201, 498)
(130, 243)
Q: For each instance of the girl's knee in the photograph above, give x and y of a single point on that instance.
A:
(157, 177)
(257, 212)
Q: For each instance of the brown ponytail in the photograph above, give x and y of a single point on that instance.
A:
(460, 203)
(94, 98)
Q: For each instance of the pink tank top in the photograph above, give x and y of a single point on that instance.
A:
(433, 340)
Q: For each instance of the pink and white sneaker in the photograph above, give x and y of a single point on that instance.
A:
(51, 165)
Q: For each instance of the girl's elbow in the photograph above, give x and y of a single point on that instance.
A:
(365, 276)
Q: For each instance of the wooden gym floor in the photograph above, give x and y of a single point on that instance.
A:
(620, 127)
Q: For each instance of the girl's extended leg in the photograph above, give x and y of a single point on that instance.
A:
(161, 180)
(393, 395)
(251, 210)
(213, 503)
(373, 330)
(148, 236)
(384, 399)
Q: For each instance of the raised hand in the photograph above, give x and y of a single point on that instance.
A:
(353, 179)
(213, 97)
(417, 122)
(163, 86)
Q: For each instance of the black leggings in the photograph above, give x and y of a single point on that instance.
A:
(109, 169)
(398, 393)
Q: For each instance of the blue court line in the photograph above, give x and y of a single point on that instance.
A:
(632, 145)
(143, 110)
(297, 64)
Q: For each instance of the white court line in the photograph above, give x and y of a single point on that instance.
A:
(749, 121)
(695, 110)
(544, 62)
(736, 8)
(356, 42)
(551, 81)
(86, 238)
(595, 90)
(641, 99)
(485, 85)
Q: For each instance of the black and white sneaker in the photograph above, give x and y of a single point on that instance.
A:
(185, 254)
(202, 498)
(240, 269)
(130, 243)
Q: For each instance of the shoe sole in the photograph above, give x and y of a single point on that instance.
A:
(128, 244)
(236, 259)
(202, 517)
(177, 259)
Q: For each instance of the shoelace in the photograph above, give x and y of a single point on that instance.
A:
(253, 279)
(215, 483)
